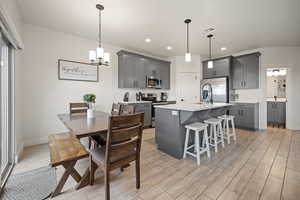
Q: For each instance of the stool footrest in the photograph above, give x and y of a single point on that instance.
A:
(191, 154)
(190, 147)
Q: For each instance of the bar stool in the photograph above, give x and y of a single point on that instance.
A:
(204, 148)
(226, 119)
(216, 135)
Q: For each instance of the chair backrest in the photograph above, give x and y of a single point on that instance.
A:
(124, 139)
(116, 109)
(127, 109)
(78, 107)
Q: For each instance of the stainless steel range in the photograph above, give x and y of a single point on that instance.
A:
(155, 102)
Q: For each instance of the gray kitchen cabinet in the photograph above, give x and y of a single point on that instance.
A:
(246, 115)
(221, 67)
(165, 75)
(141, 73)
(245, 71)
(276, 113)
(147, 109)
(134, 68)
(127, 73)
(237, 74)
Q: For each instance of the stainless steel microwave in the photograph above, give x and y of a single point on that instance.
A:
(152, 82)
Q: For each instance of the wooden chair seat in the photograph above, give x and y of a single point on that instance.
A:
(98, 155)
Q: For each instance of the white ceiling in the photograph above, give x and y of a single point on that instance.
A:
(239, 24)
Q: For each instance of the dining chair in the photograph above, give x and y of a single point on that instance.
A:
(78, 107)
(115, 109)
(122, 147)
(127, 109)
(100, 140)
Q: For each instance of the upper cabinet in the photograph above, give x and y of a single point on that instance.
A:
(245, 71)
(134, 68)
(221, 67)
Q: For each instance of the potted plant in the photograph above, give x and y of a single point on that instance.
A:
(90, 99)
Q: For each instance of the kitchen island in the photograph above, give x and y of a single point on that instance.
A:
(171, 119)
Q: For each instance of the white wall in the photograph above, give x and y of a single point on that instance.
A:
(180, 66)
(44, 96)
(278, 57)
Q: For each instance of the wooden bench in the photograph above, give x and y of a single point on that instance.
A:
(65, 149)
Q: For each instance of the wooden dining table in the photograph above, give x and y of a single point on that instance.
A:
(81, 127)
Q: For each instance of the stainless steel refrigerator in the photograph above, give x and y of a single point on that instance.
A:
(219, 89)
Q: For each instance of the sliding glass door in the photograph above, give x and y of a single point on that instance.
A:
(6, 109)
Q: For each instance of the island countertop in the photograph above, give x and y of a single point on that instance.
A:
(193, 107)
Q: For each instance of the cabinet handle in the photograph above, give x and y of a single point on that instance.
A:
(244, 83)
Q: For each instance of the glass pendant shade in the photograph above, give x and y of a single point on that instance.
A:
(188, 57)
(210, 64)
(92, 56)
(106, 57)
(100, 52)
(98, 57)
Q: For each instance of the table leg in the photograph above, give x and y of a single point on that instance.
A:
(69, 170)
(85, 180)
(73, 173)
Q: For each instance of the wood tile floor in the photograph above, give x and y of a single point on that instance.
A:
(260, 165)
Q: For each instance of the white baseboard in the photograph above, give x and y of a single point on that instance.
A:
(19, 153)
(35, 141)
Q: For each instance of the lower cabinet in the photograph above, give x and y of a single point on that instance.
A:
(246, 115)
(276, 113)
(145, 108)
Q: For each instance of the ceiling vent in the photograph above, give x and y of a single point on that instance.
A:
(209, 30)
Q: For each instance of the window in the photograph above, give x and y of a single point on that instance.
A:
(6, 109)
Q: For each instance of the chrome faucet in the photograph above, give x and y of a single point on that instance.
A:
(207, 94)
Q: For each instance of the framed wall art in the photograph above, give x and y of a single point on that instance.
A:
(77, 71)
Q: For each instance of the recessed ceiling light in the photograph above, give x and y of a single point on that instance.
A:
(223, 48)
(169, 48)
(147, 40)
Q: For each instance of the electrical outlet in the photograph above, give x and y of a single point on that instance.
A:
(174, 112)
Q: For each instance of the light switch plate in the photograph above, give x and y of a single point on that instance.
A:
(174, 112)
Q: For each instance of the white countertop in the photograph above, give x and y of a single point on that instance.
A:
(193, 107)
(278, 99)
(134, 102)
(244, 101)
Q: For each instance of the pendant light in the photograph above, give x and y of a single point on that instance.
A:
(99, 57)
(210, 63)
(188, 56)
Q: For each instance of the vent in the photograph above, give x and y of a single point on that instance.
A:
(209, 30)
